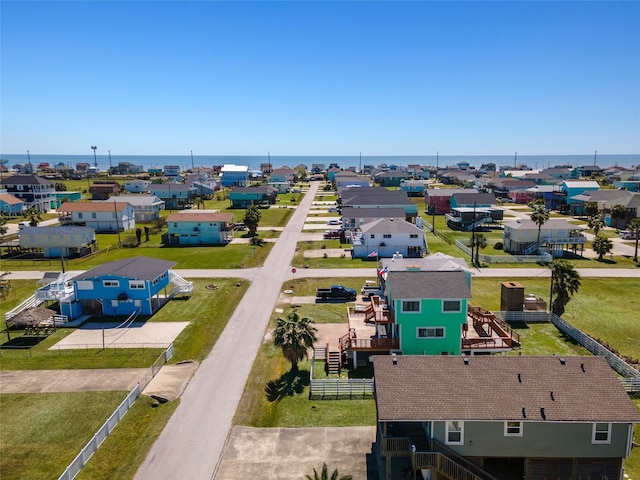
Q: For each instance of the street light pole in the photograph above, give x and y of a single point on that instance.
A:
(95, 160)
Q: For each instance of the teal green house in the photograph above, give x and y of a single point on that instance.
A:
(430, 309)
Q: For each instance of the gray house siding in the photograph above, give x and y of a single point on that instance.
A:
(549, 439)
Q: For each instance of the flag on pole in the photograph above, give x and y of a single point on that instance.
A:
(383, 273)
(373, 254)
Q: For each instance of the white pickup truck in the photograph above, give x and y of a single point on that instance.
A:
(368, 290)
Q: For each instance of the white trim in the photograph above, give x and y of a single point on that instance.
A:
(459, 300)
(513, 434)
(417, 300)
(447, 432)
(594, 432)
(136, 284)
(434, 330)
(110, 283)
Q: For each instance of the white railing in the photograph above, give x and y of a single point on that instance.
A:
(545, 257)
(179, 285)
(91, 447)
(32, 301)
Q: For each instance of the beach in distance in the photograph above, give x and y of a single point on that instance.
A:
(343, 161)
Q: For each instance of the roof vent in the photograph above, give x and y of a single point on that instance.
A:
(551, 394)
(465, 360)
(394, 359)
(524, 413)
(562, 361)
(582, 367)
(542, 414)
(519, 378)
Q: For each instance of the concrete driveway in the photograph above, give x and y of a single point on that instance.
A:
(292, 453)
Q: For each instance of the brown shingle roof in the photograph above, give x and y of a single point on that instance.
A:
(444, 388)
(419, 284)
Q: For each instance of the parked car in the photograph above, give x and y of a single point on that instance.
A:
(627, 235)
(333, 209)
(334, 222)
(239, 226)
(368, 290)
(21, 225)
(332, 234)
(336, 292)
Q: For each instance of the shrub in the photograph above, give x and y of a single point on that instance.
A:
(499, 246)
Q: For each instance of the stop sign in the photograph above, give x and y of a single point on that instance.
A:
(293, 270)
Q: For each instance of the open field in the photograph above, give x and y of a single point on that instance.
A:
(42, 434)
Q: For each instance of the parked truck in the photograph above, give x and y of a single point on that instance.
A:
(368, 290)
(336, 292)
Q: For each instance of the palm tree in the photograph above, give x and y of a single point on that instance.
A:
(634, 227)
(252, 219)
(478, 241)
(619, 212)
(602, 245)
(294, 335)
(591, 209)
(324, 475)
(595, 224)
(565, 281)
(539, 216)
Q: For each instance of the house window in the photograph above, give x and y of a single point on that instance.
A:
(601, 433)
(175, 225)
(373, 236)
(410, 306)
(110, 283)
(136, 284)
(79, 214)
(512, 429)
(451, 305)
(455, 433)
(430, 332)
(386, 235)
(413, 235)
(93, 214)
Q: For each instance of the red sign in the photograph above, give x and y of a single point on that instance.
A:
(293, 270)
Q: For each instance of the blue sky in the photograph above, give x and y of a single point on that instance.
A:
(320, 78)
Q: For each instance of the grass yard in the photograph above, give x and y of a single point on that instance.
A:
(42, 433)
(208, 311)
(125, 449)
(303, 287)
(331, 262)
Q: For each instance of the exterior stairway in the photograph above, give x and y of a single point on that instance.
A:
(334, 363)
(179, 285)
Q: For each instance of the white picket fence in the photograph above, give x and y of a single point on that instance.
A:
(91, 447)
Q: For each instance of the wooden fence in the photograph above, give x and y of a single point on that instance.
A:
(340, 388)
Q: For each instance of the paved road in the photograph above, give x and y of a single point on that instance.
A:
(191, 444)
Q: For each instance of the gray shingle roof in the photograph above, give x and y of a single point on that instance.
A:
(429, 284)
(390, 225)
(350, 212)
(138, 268)
(444, 388)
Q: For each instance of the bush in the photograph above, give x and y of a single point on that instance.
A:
(323, 246)
(130, 241)
(499, 246)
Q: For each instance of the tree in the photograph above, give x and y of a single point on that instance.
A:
(294, 335)
(34, 216)
(619, 212)
(3, 223)
(60, 186)
(634, 227)
(595, 224)
(591, 209)
(324, 475)
(5, 286)
(479, 241)
(565, 282)
(602, 245)
(252, 219)
(539, 216)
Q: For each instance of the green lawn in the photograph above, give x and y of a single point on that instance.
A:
(42, 433)
(208, 311)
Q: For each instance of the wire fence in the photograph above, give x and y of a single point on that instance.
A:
(92, 446)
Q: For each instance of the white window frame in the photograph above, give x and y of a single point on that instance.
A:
(452, 300)
(595, 431)
(449, 429)
(136, 285)
(386, 235)
(110, 283)
(402, 302)
(435, 331)
(511, 426)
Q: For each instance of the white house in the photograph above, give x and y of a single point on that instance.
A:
(108, 216)
(66, 241)
(387, 236)
(521, 236)
(145, 207)
(137, 186)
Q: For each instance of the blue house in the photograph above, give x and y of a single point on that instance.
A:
(414, 188)
(134, 285)
(231, 175)
(570, 189)
(174, 195)
(244, 197)
(199, 228)
(11, 206)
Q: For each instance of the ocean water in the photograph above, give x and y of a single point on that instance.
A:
(344, 161)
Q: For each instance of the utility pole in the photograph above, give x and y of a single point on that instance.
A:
(109, 173)
(115, 210)
(95, 160)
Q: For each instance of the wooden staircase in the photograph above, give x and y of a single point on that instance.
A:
(334, 362)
